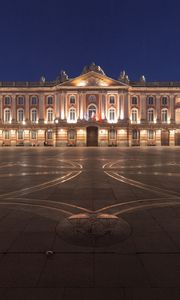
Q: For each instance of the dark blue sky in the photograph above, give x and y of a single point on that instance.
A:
(43, 37)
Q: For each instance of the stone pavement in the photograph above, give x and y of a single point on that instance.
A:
(61, 235)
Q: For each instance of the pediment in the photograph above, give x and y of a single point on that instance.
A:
(92, 79)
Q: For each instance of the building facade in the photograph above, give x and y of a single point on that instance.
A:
(90, 110)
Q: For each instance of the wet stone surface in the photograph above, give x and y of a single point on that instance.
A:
(93, 230)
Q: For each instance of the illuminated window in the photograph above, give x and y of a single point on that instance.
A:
(50, 115)
(20, 115)
(134, 115)
(72, 114)
(34, 115)
(151, 134)
(34, 100)
(20, 100)
(134, 100)
(7, 100)
(20, 134)
(164, 114)
(150, 115)
(111, 100)
(49, 100)
(164, 101)
(111, 115)
(177, 115)
(92, 111)
(7, 115)
(150, 100)
(72, 100)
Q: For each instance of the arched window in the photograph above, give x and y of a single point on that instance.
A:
(72, 115)
(111, 115)
(34, 115)
(164, 114)
(177, 115)
(92, 111)
(72, 134)
(7, 134)
(50, 115)
(33, 135)
(20, 115)
(151, 134)
(150, 115)
(134, 115)
(72, 100)
(49, 134)
(7, 115)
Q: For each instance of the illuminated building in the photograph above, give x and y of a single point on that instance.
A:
(90, 110)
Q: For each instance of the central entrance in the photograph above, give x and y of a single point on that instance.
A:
(92, 136)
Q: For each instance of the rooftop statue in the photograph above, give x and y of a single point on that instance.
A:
(93, 67)
(142, 79)
(123, 77)
(63, 76)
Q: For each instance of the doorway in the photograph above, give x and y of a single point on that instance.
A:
(92, 136)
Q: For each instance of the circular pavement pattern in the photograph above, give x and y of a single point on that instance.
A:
(93, 230)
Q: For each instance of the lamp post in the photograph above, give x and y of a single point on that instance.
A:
(56, 122)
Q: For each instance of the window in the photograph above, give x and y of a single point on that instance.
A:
(112, 134)
(20, 100)
(72, 114)
(72, 100)
(177, 115)
(111, 100)
(72, 134)
(50, 115)
(134, 101)
(7, 100)
(33, 135)
(111, 115)
(150, 115)
(150, 100)
(150, 134)
(49, 135)
(7, 115)
(20, 115)
(34, 115)
(49, 100)
(164, 114)
(134, 115)
(164, 101)
(6, 135)
(135, 134)
(92, 111)
(34, 100)
(20, 134)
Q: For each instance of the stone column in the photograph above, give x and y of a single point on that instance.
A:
(172, 109)
(158, 110)
(171, 137)
(62, 105)
(143, 108)
(126, 106)
(122, 106)
(27, 112)
(41, 108)
(56, 106)
(13, 109)
(1, 107)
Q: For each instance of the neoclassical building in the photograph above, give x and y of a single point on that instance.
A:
(90, 110)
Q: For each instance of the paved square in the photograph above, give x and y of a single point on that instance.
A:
(90, 223)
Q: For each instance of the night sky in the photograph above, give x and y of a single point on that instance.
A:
(44, 37)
